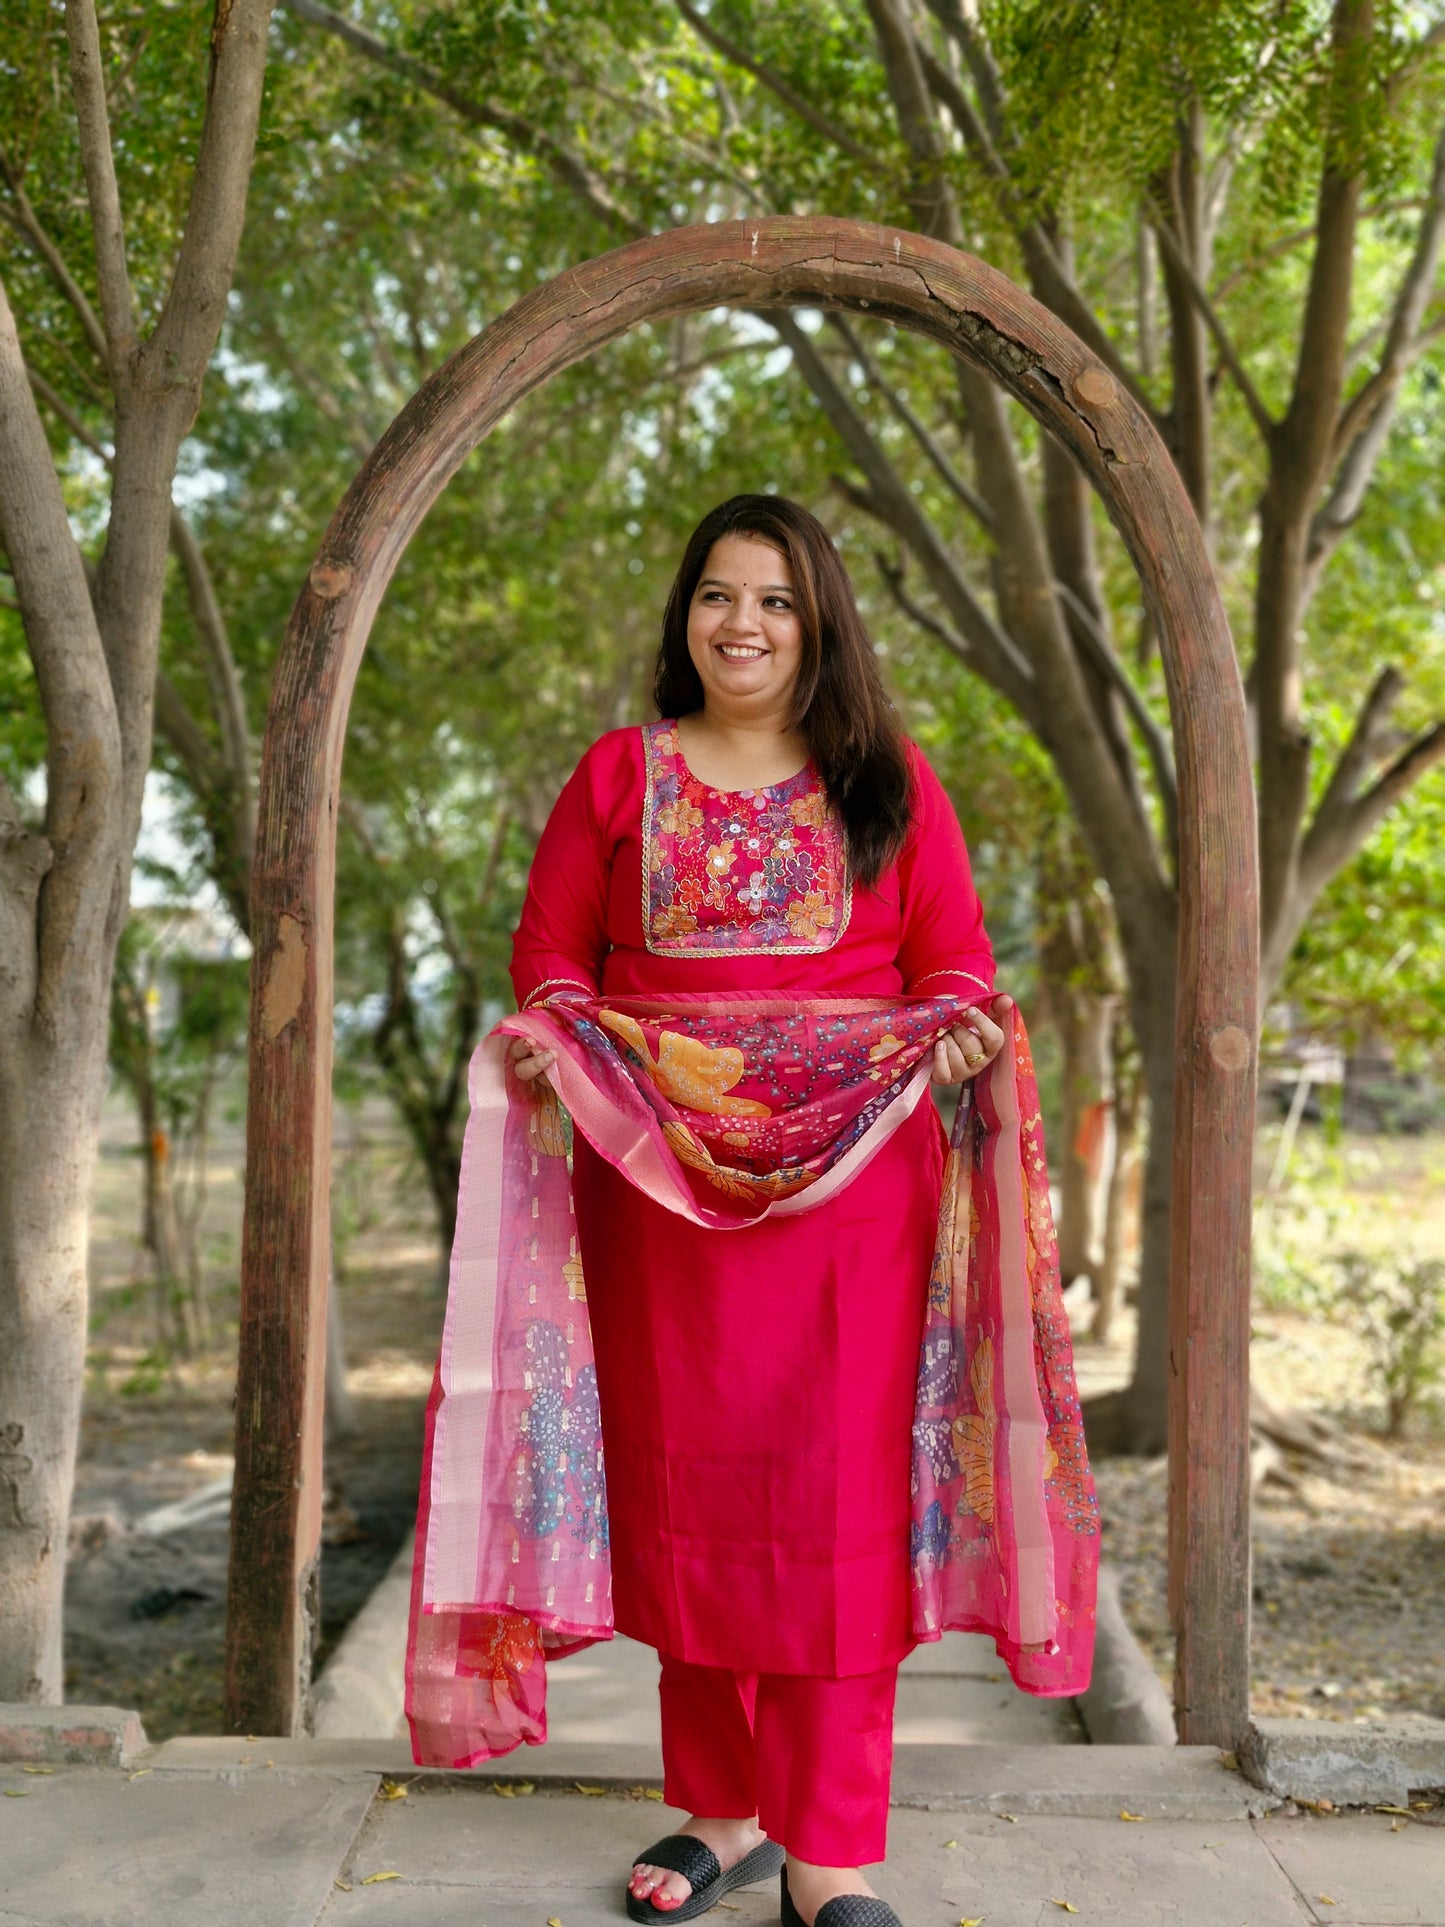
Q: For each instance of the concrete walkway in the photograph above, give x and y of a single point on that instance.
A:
(954, 1692)
(227, 1833)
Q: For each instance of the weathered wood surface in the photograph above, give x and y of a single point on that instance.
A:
(968, 307)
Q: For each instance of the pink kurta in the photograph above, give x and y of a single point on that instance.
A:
(757, 1385)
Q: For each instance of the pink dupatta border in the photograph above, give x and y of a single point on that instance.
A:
(1005, 1521)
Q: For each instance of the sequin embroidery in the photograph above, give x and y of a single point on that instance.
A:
(733, 873)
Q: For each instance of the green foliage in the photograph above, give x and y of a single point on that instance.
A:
(1399, 1311)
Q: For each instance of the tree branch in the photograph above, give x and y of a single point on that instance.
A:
(893, 577)
(222, 784)
(23, 217)
(997, 656)
(926, 440)
(83, 754)
(978, 56)
(1228, 354)
(57, 405)
(1413, 59)
(572, 171)
(1347, 816)
(1156, 742)
(1366, 419)
(87, 81)
(190, 323)
(234, 820)
(796, 103)
(1048, 274)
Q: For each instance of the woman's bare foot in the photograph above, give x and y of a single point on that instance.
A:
(729, 1840)
(813, 1887)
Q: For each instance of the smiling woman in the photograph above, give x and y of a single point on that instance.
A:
(779, 866)
(743, 663)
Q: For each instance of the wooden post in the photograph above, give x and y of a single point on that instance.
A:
(958, 301)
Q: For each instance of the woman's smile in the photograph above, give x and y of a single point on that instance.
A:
(743, 631)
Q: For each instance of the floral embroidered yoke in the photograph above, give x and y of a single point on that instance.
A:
(725, 1111)
(738, 872)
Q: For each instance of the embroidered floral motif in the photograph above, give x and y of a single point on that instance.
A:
(738, 872)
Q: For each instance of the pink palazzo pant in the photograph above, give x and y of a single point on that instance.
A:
(810, 1756)
(757, 1392)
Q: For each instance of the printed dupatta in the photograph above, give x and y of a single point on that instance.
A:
(726, 1110)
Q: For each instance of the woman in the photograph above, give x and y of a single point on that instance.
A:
(778, 870)
(772, 705)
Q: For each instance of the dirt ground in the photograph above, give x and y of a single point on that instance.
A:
(145, 1615)
(1349, 1569)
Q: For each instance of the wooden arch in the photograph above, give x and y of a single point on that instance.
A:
(951, 298)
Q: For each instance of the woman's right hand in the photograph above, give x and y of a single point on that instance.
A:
(527, 1061)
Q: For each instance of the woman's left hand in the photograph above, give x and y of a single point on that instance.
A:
(972, 1045)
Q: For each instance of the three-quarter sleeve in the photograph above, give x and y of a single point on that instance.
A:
(944, 948)
(561, 938)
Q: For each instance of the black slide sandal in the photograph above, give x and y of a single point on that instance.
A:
(695, 1860)
(843, 1910)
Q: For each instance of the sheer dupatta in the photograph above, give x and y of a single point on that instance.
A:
(727, 1110)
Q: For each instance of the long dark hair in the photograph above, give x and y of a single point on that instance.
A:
(840, 708)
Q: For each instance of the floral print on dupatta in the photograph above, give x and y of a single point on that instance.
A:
(738, 873)
(1005, 1536)
(724, 1112)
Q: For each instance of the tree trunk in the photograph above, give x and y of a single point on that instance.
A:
(341, 1420)
(49, 1107)
(1084, 1033)
(1136, 1418)
(1108, 1286)
(444, 1173)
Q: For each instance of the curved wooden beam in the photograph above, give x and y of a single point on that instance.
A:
(966, 306)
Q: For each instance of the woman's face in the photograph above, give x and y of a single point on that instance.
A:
(743, 632)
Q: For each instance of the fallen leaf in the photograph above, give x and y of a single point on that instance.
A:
(1327, 1900)
(344, 1885)
(371, 1879)
(592, 1792)
(652, 1793)
(1230, 1762)
(516, 1791)
(950, 1843)
(1214, 1843)
(1124, 1814)
(37, 1769)
(1067, 1905)
(17, 1793)
(977, 1921)
(552, 1921)
(1012, 1818)
(1379, 1809)
(139, 1774)
(391, 1790)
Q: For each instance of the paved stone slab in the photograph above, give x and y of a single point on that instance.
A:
(544, 1855)
(71, 1735)
(959, 1710)
(463, 1856)
(1083, 1782)
(959, 1655)
(1153, 1874)
(1361, 1763)
(1370, 1874)
(607, 1693)
(87, 1848)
